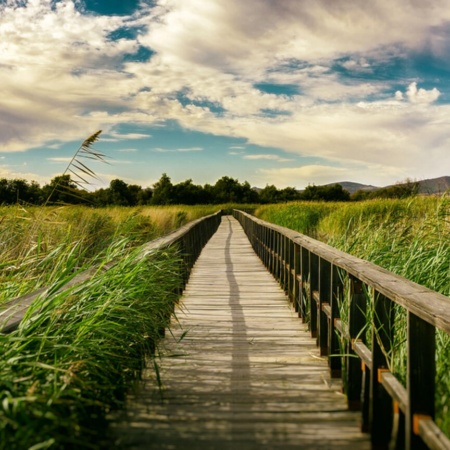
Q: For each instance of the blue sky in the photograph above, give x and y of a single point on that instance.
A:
(287, 93)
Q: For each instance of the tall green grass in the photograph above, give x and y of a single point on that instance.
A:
(32, 238)
(78, 351)
(408, 237)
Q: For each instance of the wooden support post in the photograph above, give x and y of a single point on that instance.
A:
(272, 252)
(324, 297)
(292, 271)
(305, 276)
(297, 271)
(334, 360)
(381, 414)
(265, 243)
(284, 263)
(313, 286)
(290, 267)
(356, 323)
(276, 247)
(365, 398)
(421, 374)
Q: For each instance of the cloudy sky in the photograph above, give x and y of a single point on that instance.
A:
(284, 92)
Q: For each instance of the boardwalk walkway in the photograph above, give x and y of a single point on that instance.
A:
(245, 374)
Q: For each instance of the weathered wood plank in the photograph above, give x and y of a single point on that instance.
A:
(238, 368)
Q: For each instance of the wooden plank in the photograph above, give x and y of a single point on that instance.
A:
(238, 368)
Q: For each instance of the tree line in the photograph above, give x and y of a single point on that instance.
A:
(62, 189)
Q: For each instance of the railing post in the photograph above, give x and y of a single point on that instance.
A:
(284, 262)
(304, 278)
(297, 292)
(267, 247)
(273, 254)
(290, 287)
(313, 287)
(356, 324)
(278, 256)
(269, 250)
(324, 300)
(381, 413)
(259, 247)
(334, 360)
(421, 373)
(265, 243)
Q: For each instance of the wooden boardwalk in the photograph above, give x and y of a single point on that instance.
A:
(238, 368)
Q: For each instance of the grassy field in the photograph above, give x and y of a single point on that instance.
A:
(66, 366)
(408, 237)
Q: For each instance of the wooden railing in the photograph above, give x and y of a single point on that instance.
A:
(316, 277)
(188, 239)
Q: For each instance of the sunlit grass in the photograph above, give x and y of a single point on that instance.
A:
(31, 238)
(78, 351)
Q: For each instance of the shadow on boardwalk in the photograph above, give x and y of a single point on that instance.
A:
(239, 371)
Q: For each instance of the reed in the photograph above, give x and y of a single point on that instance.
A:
(78, 351)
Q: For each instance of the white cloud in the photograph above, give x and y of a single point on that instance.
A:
(421, 95)
(11, 173)
(249, 36)
(266, 156)
(174, 150)
(56, 65)
(127, 136)
(59, 159)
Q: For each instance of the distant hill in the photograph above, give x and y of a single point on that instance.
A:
(426, 187)
(354, 187)
(434, 185)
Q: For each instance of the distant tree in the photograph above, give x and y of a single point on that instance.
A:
(330, 193)
(187, 193)
(226, 190)
(269, 194)
(34, 194)
(229, 190)
(208, 194)
(289, 194)
(100, 197)
(247, 194)
(62, 189)
(119, 193)
(144, 196)
(19, 191)
(360, 195)
(163, 191)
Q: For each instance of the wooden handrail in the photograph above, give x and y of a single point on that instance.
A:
(312, 274)
(190, 239)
